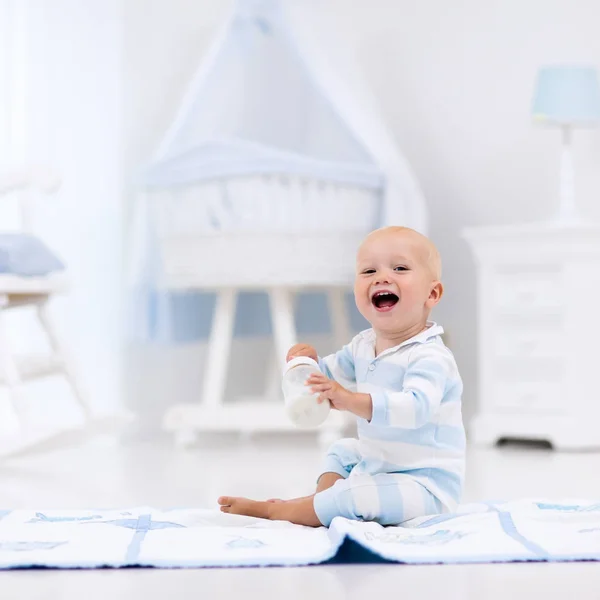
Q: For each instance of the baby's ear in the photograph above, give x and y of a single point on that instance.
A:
(436, 293)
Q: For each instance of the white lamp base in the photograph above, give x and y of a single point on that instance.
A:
(567, 213)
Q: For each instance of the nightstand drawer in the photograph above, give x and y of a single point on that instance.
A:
(527, 292)
(517, 370)
(523, 342)
(528, 397)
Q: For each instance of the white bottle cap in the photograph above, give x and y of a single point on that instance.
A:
(300, 360)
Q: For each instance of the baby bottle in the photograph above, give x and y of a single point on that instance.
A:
(301, 404)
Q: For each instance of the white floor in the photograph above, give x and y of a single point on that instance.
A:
(157, 474)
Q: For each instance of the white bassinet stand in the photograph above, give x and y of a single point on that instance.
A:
(253, 249)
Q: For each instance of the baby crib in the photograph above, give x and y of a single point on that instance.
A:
(275, 166)
(261, 231)
(276, 233)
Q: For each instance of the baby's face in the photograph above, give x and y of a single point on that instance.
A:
(395, 283)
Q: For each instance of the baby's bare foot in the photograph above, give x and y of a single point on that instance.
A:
(244, 506)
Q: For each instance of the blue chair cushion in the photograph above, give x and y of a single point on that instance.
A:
(26, 256)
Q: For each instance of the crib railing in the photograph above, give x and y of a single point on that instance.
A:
(264, 204)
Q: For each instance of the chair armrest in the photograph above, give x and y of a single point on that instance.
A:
(42, 178)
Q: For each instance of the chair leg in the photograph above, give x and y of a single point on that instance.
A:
(8, 367)
(58, 347)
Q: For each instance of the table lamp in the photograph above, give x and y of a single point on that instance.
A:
(567, 97)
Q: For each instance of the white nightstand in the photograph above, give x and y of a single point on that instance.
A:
(539, 334)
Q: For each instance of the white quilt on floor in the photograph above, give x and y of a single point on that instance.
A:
(526, 530)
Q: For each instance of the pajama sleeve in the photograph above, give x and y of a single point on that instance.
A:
(340, 367)
(429, 370)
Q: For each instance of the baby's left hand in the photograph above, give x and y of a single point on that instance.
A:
(331, 390)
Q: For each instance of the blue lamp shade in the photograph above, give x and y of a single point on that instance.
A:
(567, 96)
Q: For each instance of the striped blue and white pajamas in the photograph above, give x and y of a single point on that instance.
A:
(408, 460)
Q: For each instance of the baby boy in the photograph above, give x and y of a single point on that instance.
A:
(402, 383)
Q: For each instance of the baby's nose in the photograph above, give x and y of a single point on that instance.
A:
(382, 279)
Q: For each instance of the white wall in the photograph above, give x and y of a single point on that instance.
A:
(454, 81)
(163, 43)
(72, 103)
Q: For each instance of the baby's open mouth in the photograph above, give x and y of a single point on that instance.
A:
(384, 300)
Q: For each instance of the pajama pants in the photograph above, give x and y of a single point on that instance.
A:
(386, 498)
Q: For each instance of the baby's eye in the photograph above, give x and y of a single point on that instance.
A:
(368, 271)
(399, 268)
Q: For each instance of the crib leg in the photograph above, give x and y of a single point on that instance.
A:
(340, 321)
(278, 357)
(273, 383)
(284, 328)
(219, 348)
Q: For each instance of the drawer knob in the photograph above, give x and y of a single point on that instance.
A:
(526, 295)
(527, 346)
(527, 398)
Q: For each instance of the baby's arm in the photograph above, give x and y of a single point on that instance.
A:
(338, 366)
(429, 368)
(410, 407)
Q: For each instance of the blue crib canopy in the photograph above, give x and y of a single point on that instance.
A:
(257, 106)
(271, 97)
(277, 93)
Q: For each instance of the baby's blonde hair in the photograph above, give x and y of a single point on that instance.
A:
(432, 258)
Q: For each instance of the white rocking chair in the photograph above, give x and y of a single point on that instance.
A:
(18, 290)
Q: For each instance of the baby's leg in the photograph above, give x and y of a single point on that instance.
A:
(327, 480)
(387, 498)
(341, 458)
(299, 511)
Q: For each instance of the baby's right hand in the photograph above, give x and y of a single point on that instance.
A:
(301, 350)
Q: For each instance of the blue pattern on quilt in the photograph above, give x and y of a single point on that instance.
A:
(42, 518)
(479, 532)
(568, 507)
(28, 546)
(144, 522)
(242, 542)
(437, 520)
(436, 538)
(142, 525)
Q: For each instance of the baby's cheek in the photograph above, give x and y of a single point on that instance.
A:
(363, 305)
